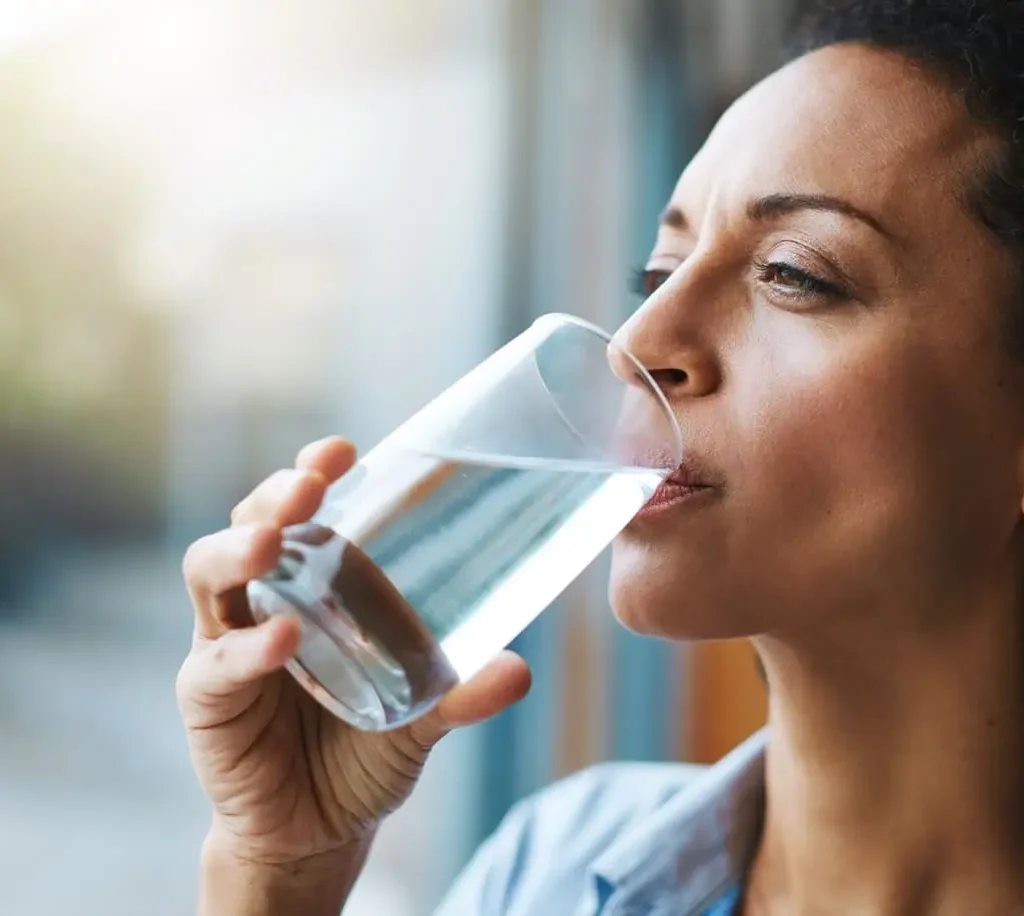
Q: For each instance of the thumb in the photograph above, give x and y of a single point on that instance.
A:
(504, 681)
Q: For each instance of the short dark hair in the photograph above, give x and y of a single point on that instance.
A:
(977, 47)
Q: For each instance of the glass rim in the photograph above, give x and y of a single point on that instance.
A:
(652, 385)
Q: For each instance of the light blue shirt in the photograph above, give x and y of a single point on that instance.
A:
(625, 839)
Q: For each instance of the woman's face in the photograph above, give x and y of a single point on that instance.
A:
(828, 322)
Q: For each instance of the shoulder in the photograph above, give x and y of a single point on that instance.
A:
(543, 848)
(586, 811)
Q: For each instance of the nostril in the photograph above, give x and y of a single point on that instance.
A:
(669, 378)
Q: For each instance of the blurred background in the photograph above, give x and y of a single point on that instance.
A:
(228, 227)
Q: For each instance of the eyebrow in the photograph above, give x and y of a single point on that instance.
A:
(773, 206)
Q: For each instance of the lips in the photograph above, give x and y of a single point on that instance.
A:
(690, 476)
(688, 482)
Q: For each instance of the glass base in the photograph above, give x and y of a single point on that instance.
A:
(372, 664)
(327, 668)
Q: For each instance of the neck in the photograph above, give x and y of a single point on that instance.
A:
(895, 773)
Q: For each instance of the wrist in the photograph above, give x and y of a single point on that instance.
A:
(236, 882)
(222, 842)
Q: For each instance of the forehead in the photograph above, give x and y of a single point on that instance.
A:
(849, 121)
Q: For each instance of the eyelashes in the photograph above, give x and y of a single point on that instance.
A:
(645, 282)
(794, 281)
(784, 279)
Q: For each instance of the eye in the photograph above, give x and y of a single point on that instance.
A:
(645, 282)
(793, 281)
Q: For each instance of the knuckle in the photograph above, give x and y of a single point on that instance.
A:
(184, 681)
(308, 483)
(200, 669)
(218, 653)
(263, 502)
(424, 733)
(282, 479)
(238, 511)
(193, 560)
(308, 449)
(205, 559)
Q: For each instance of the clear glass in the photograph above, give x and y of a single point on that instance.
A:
(446, 540)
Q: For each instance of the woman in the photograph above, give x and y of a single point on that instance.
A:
(835, 305)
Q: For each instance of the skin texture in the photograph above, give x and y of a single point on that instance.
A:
(863, 452)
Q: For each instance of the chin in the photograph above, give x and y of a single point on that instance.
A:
(671, 597)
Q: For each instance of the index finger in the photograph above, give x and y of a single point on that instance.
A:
(216, 569)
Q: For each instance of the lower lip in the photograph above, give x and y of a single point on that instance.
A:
(671, 496)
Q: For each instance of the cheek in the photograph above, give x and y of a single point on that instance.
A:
(865, 469)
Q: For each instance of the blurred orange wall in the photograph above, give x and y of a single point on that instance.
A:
(724, 698)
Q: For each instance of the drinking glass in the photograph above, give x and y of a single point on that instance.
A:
(446, 540)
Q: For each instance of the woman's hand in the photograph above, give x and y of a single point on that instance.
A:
(289, 782)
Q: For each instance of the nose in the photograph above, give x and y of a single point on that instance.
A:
(669, 347)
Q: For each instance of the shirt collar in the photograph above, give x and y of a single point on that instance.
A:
(695, 846)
